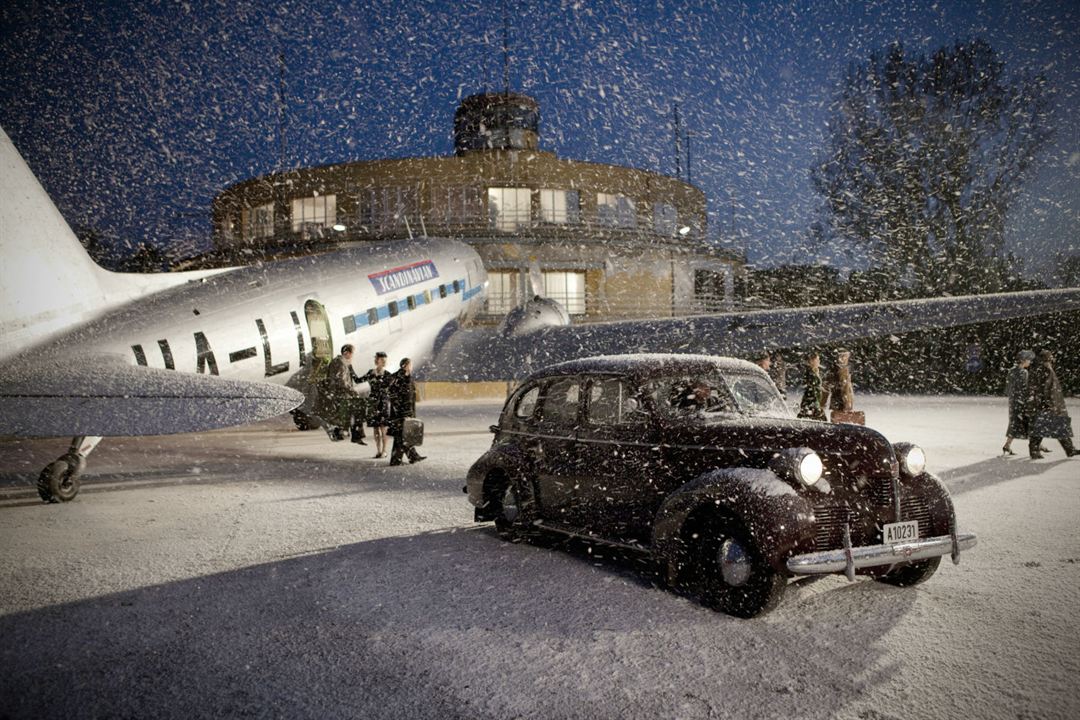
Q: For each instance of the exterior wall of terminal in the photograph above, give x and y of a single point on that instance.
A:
(609, 242)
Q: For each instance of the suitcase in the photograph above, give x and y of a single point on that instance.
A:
(412, 431)
(854, 417)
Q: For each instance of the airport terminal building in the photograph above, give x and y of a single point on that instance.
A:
(606, 241)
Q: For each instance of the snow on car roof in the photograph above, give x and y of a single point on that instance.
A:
(649, 364)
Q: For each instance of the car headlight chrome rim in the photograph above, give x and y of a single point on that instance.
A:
(802, 464)
(912, 458)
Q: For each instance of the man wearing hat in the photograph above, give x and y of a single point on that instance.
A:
(837, 387)
(1016, 388)
(763, 360)
(1046, 403)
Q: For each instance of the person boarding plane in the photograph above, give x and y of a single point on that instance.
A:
(88, 353)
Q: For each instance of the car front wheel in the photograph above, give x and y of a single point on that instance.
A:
(913, 574)
(730, 574)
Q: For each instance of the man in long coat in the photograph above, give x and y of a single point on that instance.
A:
(837, 387)
(402, 405)
(1046, 402)
(810, 405)
(339, 405)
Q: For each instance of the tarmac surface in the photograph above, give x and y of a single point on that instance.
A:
(264, 572)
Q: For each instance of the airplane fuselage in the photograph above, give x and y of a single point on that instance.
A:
(263, 322)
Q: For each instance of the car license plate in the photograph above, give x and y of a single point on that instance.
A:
(901, 531)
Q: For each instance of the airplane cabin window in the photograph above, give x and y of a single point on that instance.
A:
(372, 316)
(442, 291)
(427, 297)
(350, 324)
(393, 308)
(411, 300)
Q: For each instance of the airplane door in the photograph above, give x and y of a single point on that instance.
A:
(322, 344)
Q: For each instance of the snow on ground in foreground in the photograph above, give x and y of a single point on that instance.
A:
(266, 571)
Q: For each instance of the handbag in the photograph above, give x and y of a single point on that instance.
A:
(412, 431)
(854, 417)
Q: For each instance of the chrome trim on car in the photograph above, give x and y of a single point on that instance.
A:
(849, 558)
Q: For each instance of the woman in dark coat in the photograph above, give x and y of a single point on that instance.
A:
(810, 405)
(402, 405)
(1016, 388)
(379, 402)
(1046, 402)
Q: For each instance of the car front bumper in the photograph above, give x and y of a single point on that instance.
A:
(848, 559)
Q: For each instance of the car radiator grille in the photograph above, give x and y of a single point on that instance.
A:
(881, 491)
(830, 518)
(915, 507)
(829, 525)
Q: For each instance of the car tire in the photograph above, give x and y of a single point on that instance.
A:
(912, 574)
(513, 521)
(760, 588)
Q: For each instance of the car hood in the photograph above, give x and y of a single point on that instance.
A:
(860, 450)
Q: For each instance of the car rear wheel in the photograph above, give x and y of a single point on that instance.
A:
(730, 574)
(913, 574)
(513, 520)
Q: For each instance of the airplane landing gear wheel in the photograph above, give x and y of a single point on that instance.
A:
(59, 481)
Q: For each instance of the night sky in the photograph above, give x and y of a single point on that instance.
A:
(134, 115)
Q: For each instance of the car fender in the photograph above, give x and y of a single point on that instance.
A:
(938, 499)
(509, 459)
(778, 518)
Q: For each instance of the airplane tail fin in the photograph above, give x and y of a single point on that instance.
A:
(48, 282)
(46, 276)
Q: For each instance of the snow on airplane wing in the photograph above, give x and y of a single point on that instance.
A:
(101, 396)
(485, 354)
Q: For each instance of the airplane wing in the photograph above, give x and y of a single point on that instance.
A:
(103, 396)
(486, 354)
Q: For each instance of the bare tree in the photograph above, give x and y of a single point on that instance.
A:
(924, 159)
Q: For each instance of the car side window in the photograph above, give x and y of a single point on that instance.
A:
(692, 396)
(527, 403)
(560, 404)
(611, 403)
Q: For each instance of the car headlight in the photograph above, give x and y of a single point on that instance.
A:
(802, 464)
(911, 457)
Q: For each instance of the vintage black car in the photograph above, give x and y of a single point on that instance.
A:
(699, 462)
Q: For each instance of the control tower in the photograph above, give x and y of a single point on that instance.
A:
(496, 121)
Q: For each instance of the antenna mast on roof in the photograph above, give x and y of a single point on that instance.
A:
(281, 108)
(678, 148)
(506, 52)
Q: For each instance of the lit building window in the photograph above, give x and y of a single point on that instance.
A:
(502, 292)
(665, 219)
(615, 210)
(311, 214)
(509, 208)
(566, 287)
(257, 222)
(560, 206)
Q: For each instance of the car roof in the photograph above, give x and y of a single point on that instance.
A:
(647, 365)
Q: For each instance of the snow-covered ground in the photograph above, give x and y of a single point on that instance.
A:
(263, 571)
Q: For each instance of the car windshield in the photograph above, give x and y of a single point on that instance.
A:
(714, 396)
